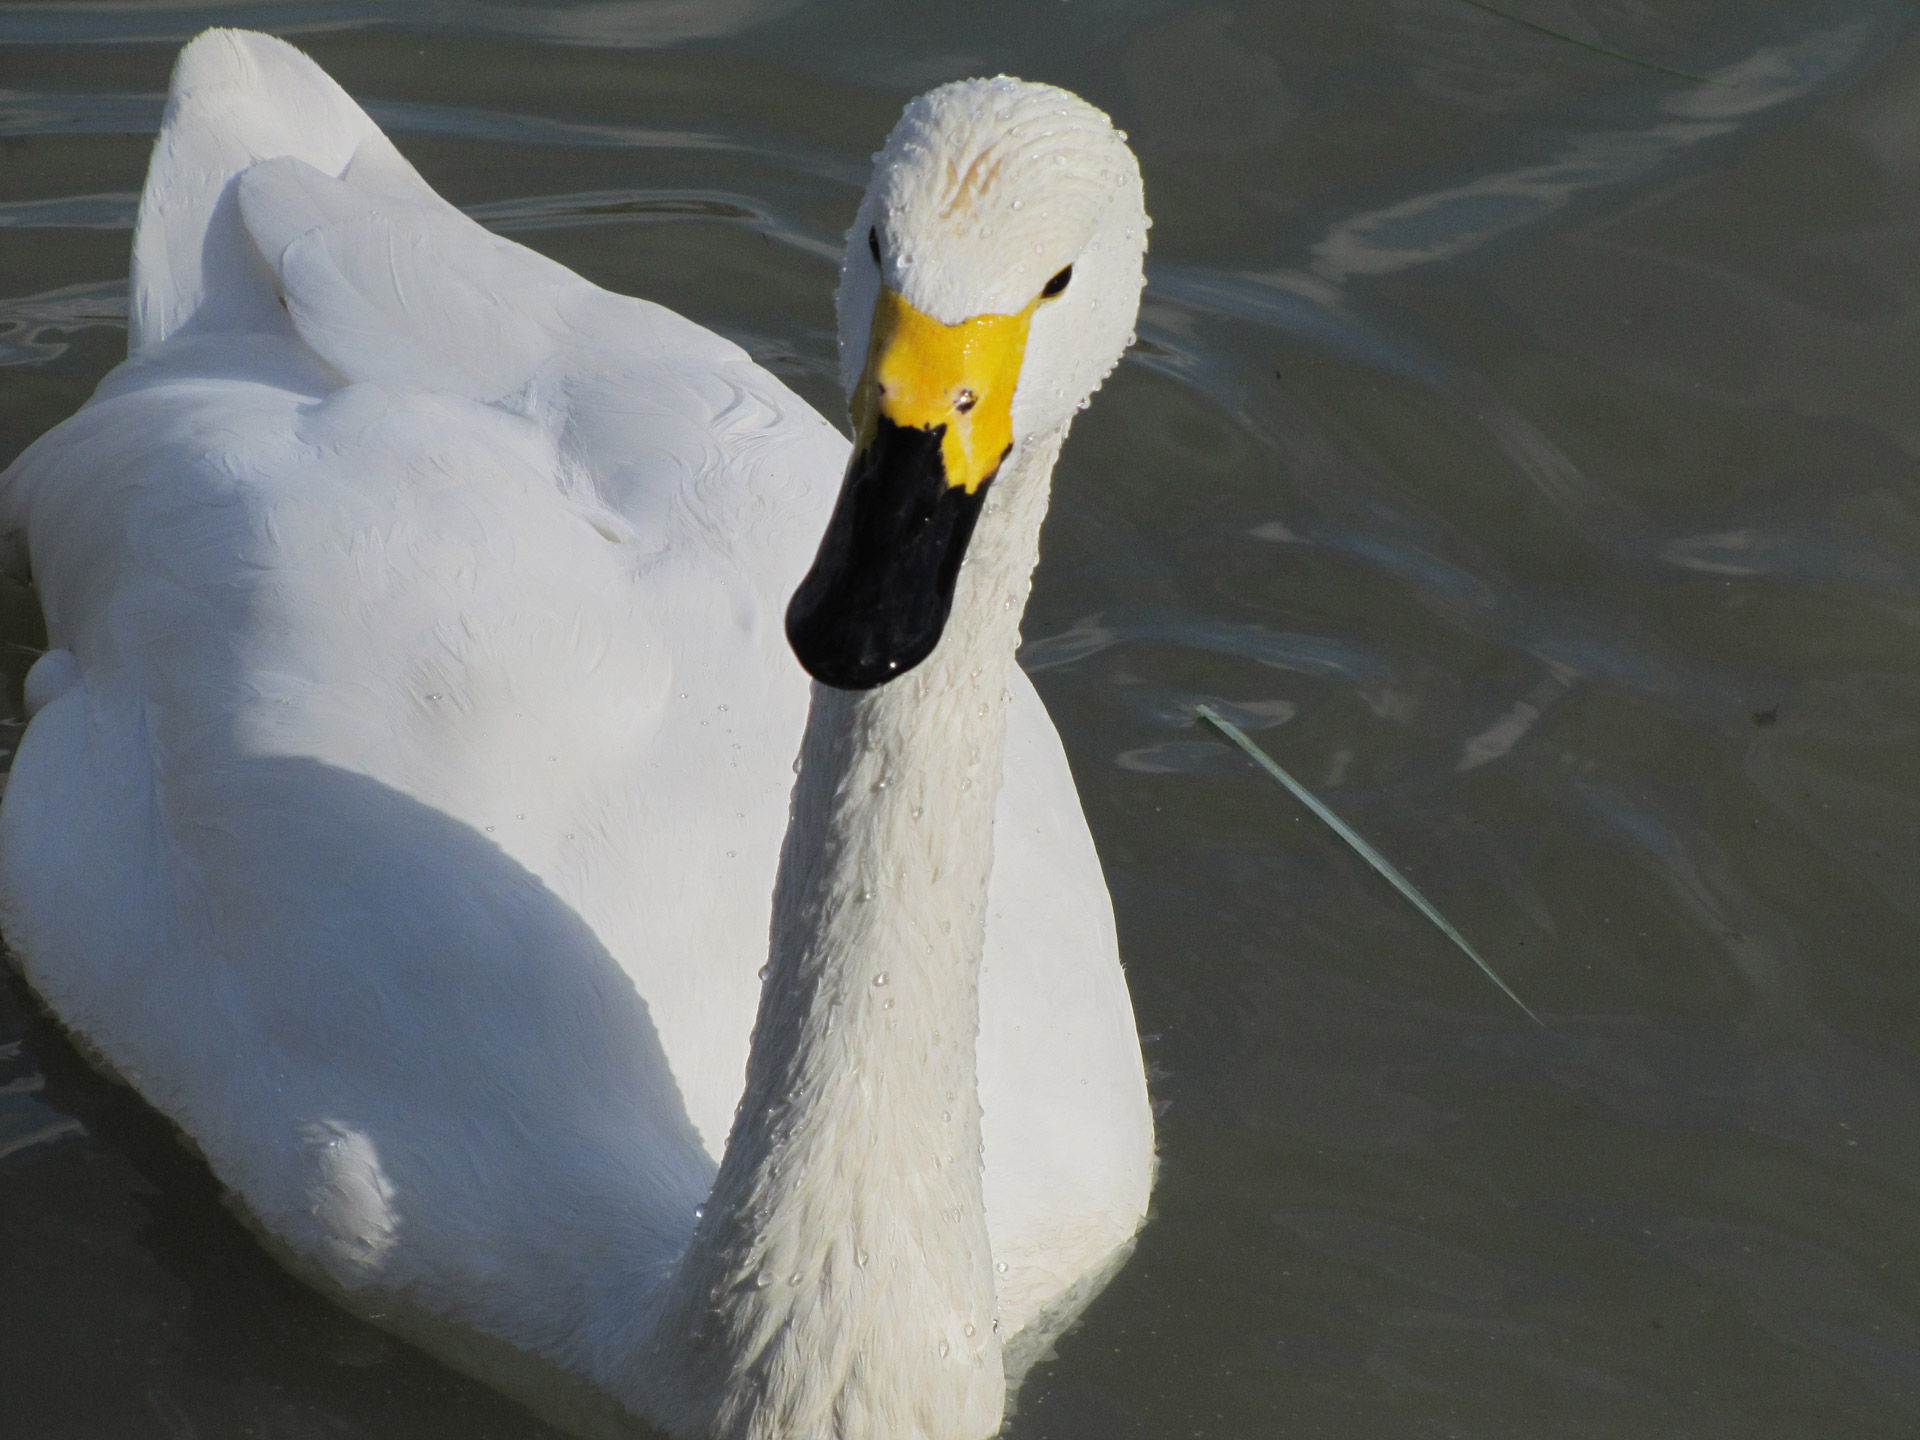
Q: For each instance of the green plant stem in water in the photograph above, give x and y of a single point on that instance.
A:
(1366, 852)
(1595, 47)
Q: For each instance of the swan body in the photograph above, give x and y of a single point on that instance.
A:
(409, 795)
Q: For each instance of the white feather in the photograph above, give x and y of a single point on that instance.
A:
(403, 797)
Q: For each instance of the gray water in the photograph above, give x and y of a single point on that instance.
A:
(1522, 443)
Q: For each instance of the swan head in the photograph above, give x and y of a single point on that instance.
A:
(990, 284)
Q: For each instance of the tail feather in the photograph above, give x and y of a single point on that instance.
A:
(237, 98)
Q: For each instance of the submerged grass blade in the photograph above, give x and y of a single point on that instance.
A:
(1595, 47)
(1366, 852)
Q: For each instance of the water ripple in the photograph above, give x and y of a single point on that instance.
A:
(617, 24)
(24, 112)
(26, 1122)
(1443, 224)
(28, 323)
(112, 211)
(1319, 655)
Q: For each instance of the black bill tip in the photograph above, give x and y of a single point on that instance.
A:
(877, 598)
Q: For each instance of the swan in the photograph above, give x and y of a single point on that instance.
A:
(422, 805)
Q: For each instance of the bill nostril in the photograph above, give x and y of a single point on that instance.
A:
(964, 400)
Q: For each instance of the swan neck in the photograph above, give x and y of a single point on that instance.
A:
(840, 1282)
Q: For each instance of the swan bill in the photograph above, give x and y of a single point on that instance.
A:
(877, 598)
(959, 378)
(933, 420)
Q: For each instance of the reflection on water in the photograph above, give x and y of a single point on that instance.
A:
(1523, 441)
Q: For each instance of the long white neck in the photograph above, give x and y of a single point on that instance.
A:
(840, 1285)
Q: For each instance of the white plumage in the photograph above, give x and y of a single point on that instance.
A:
(403, 798)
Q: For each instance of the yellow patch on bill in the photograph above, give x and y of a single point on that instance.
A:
(921, 374)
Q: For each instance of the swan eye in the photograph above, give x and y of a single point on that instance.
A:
(873, 244)
(1057, 284)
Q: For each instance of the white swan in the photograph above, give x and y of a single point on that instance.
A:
(403, 801)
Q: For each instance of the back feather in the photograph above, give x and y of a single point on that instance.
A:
(236, 99)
